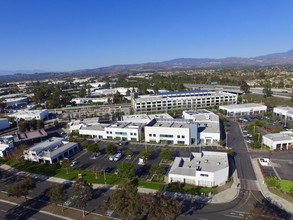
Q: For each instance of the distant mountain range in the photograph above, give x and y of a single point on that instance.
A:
(278, 59)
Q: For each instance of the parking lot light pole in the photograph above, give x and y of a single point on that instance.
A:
(105, 177)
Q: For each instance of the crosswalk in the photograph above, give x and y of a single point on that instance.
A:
(236, 214)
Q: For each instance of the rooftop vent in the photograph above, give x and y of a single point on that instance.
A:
(206, 161)
(218, 163)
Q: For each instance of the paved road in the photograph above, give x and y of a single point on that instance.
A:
(235, 209)
(9, 212)
(242, 157)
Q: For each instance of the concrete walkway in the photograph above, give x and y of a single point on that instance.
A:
(280, 202)
(230, 194)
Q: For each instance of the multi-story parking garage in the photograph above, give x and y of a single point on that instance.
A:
(194, 99)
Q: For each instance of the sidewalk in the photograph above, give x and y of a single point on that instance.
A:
(282, 203)
(230, 194)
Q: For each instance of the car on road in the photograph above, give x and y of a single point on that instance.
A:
(95, 155)
(73, 163)
(118, 156)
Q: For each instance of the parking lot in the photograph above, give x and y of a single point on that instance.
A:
(102, 161)
(279, 168)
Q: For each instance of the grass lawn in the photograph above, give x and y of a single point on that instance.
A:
(72, 174)
(190, 189)
(151, 185)
(269, 101)
(286, 185)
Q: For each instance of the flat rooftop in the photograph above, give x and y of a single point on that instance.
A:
(96, 127)
(206, 161)
(245, 105)
(43, 145)
(58, 150)
(121, 124)
(279, 137)
(171, 123)
(30, 135)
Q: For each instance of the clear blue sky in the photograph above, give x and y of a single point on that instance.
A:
(61, 35)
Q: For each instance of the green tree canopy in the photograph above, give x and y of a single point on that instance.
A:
(93, 148)
(58, 194)
(83, 192)
(126, 201)
(111, 149)
(126, 170)
(166, 154)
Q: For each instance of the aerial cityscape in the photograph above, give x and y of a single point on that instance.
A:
(151, 110)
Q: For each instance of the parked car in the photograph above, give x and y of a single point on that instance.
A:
(107, 170)
(123, 143)
(111, 157)
(118, 156)
(95, 155)
(73, 163)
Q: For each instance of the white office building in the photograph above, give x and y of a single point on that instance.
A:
(171, 131)
(207, 169)
(145, 118)
(284, 112)
(4, 123)
(30, 114)
(243, 109)
(208, 124)
(51, 151)
(277, 141)
(194, 99)
(120, 130)
(6, 144)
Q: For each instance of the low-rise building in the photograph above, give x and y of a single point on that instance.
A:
(206, 168)
(208, 124)
(243, 109)
(82, 101)
(6, 144)
(15, 101)
(284, 112)
(30, 114)
(4, 123)
(277, 141)
(171, 131)
(51, 151)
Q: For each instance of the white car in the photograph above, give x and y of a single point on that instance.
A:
(73, 163)
(111, 157)
(118, 156)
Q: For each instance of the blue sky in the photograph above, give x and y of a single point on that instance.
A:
(61, 35)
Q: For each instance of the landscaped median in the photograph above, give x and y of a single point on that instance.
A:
(73, 173)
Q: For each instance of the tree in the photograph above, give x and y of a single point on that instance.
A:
(158, 206)
(126, 170)
(126, 201)
(83, 192)
(21, 188)
(146, 154)
(111, 149)
(244, 86)
(93, 148)
(156, 169)
(166, 154)
(58, 194)
(267, 89)
(84, 144)
(66, 165)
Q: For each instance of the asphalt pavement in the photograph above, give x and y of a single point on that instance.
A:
(12, 211)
